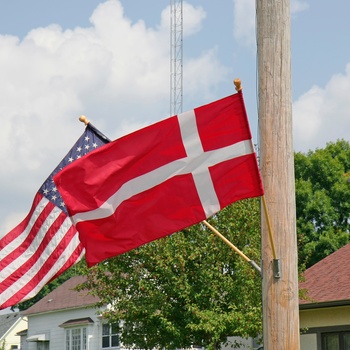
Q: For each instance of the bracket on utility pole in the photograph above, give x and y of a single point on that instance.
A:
(276, 268)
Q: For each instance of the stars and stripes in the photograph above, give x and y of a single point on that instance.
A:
(45, 243)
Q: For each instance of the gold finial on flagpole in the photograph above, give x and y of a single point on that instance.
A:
(84, 120)
(238, 85)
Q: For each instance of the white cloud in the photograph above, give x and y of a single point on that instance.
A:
(244, 22)
(208, 73)
(298, 6)
(12, 221)
(192, 19)
(322, 115)
(115, 72)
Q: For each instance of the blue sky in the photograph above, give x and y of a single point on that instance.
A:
(109, 60)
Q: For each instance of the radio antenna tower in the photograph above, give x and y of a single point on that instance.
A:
(176, 67)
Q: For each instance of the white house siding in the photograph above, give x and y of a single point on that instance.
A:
(49, 324)
(245, 344)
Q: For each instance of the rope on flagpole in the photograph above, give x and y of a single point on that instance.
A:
(269, 228)
(251, 262)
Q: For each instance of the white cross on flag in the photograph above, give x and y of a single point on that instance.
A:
(161, 179)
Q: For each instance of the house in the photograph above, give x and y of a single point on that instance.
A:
(66, 319)
(10, 325)
(325, 316)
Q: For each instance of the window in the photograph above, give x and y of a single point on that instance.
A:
(336, 341)
(43, 345)
(76, 339)
(110, 337)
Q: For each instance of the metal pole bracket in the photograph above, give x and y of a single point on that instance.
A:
(276, 268)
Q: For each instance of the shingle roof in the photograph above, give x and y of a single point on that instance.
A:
(6, 322)
(329, 279)
(77, 321)
(63, 297)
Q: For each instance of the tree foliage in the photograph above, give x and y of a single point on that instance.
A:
(322, 201)
(186, 289)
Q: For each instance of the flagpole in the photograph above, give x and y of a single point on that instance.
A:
(279, 292)
(250, 261)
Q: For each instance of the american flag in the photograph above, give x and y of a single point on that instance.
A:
(45, 243)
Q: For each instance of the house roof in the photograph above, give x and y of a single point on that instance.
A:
(63, 297)
(328, 281)
(7, 321)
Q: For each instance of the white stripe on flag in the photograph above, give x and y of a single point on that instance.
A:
(197, 164)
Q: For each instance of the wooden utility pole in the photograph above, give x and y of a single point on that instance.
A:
(279, 265)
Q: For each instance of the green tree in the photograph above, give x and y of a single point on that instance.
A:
(186, 289)
(322, 201)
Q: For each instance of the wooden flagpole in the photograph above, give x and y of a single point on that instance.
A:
(280, 291)
(239, 252)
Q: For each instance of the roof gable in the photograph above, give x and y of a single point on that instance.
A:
(7, 321)
(329, 279)
(63, 297)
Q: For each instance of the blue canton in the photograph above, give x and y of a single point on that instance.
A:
(89, 141)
